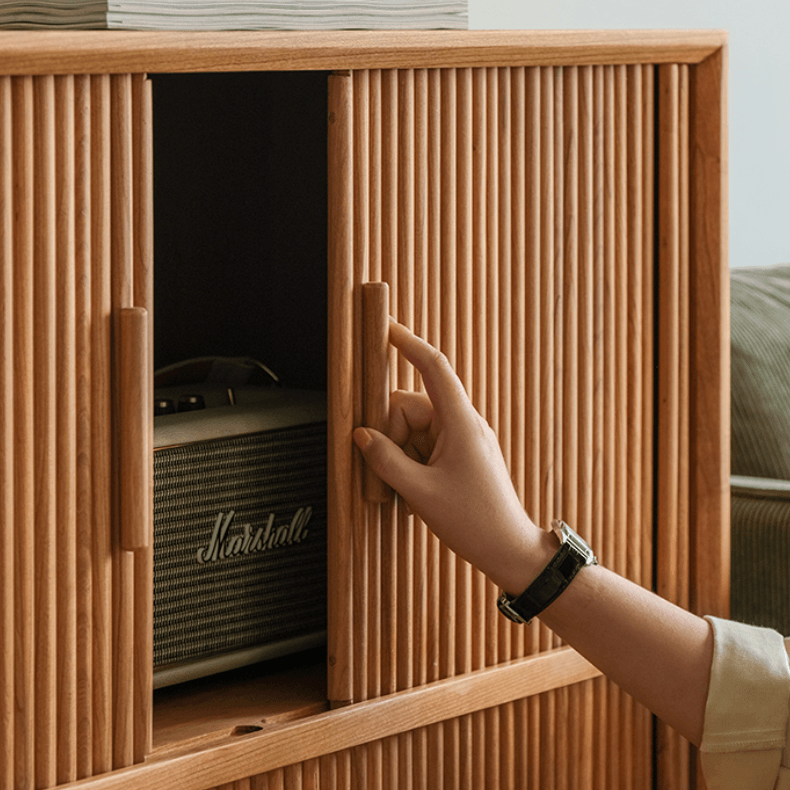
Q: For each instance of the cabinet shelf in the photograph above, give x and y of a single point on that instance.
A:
(237, 703)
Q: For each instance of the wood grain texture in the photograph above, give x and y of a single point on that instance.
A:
(122, 294)
(84, 452)
(510, 208)
(710, 296)
(45, 444)
(66, 459)
(7, 455)
(108, 52)
(24, 467)
(583, 334)
(101, 429)
(339, 396)
(143, 290)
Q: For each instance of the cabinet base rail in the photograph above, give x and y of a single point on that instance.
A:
(233, 758)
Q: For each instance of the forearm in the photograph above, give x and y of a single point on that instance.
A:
(657, 652)
(444, 459)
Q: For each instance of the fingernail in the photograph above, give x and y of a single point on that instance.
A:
(363, 437)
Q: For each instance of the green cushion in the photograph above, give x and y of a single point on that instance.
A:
(760, 581)
(760, 346)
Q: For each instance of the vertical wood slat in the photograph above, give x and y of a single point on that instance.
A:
(420, 307)
(24, 467)
(7, 454)
(84, 489)
(545, 508)
(534, 101)
(673, 360)
(101, 429)
(406, 653)
(67, 597)
(565, 775)
(601, 725)
(406, 239)
(446, 338)
(388, 247)
(143, 299)
(365, 605)
(45, 444)
(586, 342)
(339, 395)
(122, 296)
(489, 326)
(648, 312)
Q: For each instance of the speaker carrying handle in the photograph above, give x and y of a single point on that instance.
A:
(375, 332)
(136, 444)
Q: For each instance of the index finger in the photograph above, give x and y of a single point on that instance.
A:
(442, 384)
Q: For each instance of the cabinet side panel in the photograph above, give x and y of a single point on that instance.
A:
(710, 315)
(710, 344)
(693, 392)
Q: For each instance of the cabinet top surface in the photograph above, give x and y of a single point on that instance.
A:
(110, 51)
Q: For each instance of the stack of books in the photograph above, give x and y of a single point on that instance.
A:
(235, 14)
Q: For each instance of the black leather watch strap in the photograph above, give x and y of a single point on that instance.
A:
(572, 555)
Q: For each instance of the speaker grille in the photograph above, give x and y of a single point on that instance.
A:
(239, 542)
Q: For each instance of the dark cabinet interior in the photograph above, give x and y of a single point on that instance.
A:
(240, 205)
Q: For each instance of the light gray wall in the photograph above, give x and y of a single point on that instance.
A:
(759, 94)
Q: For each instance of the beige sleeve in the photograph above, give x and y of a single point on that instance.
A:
(746, 716)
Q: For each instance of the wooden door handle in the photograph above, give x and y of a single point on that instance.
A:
(375, 332)
(135, 403)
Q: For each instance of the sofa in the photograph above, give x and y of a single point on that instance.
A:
(760, 408)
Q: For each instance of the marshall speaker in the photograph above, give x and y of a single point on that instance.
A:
(239, 527)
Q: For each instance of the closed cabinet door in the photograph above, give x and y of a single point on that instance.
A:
(76, 451)
(519, 218)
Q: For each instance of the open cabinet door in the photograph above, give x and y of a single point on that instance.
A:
(76, 486)
(510, 211)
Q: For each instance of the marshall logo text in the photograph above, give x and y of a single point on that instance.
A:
(221, 546)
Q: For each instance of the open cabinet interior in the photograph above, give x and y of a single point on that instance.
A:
(240, 228)
(240, 261)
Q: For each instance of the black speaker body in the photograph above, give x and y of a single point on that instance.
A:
(239, 529)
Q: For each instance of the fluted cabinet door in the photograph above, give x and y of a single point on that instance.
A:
(75, 212)
(510, 212)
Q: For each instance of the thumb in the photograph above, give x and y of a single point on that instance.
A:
(387, 460)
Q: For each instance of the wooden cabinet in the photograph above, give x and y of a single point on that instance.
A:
(550, 210)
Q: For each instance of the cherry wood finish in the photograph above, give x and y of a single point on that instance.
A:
(114, 52)
(549, 209)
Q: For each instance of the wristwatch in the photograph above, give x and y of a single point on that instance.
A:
(573, 555)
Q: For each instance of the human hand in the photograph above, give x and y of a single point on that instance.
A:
(443, 458)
